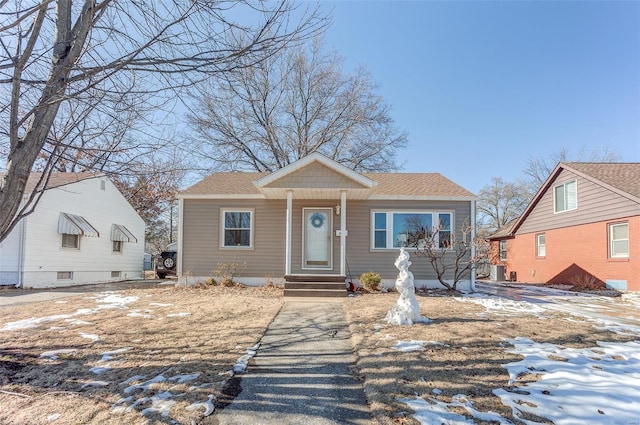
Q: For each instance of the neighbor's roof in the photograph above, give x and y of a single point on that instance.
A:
(622, 176)
(57, 179)
(389, 184)
(505, 230)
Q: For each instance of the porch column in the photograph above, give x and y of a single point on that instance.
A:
(343, 232)
(287, 249)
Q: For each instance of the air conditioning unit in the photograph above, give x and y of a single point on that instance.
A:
(497, 273)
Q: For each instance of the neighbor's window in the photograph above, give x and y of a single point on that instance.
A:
(503, 250)
(541, 245)
(65, 275)
(565, 197)
(70, 241)
(117, 246)
(237, 228)
(395, 229)
(619, 240)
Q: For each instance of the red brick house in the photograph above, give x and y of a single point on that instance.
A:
(581, 227)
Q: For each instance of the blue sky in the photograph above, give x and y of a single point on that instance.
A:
(483, 85)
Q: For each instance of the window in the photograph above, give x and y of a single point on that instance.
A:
(115, 274)
(70, 241)
(565, 197)
(503, 250)
(117, 246)
(65, 275)
(395, 229)
(237, 228)
(541, 245)
(619, 240)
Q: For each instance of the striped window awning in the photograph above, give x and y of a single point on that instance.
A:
(70, 224)
(121, 233)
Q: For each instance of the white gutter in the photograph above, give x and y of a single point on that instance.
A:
(180, 240)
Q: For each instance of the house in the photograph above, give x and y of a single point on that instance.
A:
(82, 231)
(581, 227)
(314, 219)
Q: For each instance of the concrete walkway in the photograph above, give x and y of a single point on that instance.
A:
(303, 372)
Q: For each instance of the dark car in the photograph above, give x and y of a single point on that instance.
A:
(166, 264)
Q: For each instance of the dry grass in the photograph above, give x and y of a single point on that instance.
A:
(223, 322)
(469, 362)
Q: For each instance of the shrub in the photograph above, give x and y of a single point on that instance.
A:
(370, 281)
(211, 282)
(227, 271)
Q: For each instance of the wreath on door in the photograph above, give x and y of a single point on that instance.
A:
(317, 220)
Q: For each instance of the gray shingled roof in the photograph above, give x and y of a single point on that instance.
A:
(622, 176)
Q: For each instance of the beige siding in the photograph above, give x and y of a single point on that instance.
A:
(595, 203)
(362, 258)
(201, 237)
(202, 250)
(315, 175)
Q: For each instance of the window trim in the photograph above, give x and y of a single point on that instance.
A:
(501, 250)
(610, 239)
(71, 248)
(120, 245)
(60, 275)
(389, 225)
(564, 186)
(538, 245)
(251, 212)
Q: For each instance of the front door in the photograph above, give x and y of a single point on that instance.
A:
(317, 239)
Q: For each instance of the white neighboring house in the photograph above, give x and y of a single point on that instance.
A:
(82, 231)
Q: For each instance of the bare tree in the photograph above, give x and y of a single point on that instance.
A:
(539, 167)
(451, 261)
(500, 202)
(299, 101)
(82, 58)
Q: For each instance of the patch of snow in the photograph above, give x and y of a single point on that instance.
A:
(131, 379)
(100, 370)
(408, 346)
(54, 354)
(181, 379)
(145, 385)
(32, 322)
(178, 314)
(120, 405)
(116, 300)
(61, 302)
(54, 417)
(592, 385)
(77, 322)
(108, 355)
(93, 384)
(434, 412)
(160, 404)
(502, 306)
(92, 337)
(242, 362)
(208, 405)
(138, 313)
(160, 304)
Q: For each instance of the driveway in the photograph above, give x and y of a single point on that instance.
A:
(13, 296)
(624, 310)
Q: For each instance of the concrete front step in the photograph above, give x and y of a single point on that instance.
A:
(314, 278)
(315, 285)
(315, 293)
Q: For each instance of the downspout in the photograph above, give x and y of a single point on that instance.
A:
(287, 247)
(473, 245)
(21, 252)
(343, 232)
(180, 241)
